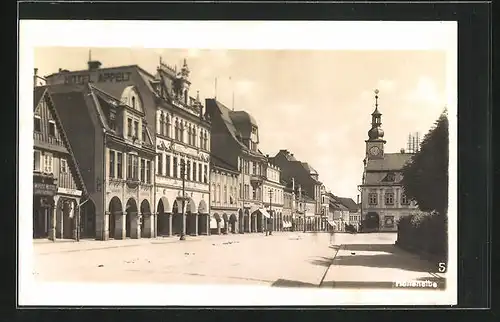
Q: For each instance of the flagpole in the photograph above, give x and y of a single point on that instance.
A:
(215, 96)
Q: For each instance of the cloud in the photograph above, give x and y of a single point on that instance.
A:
(323, 138)
(244, 87)
(426, 91)
(385, 85)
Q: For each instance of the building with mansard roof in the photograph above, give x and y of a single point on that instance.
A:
(58, 186)
(383, 200)
(115, 154)
(235, 139)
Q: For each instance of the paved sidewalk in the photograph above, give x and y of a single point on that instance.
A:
(45, 246)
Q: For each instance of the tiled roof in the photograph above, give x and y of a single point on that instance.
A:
(74, 106)
(348, 203)
(38, 94)
(243, 121)
(380, 178)
(219, 162)
(64, 134)
(228, 121)
(308, 167)
(391, 161)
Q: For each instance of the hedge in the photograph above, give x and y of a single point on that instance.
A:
(424, 233)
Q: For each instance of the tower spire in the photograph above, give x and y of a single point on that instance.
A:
(90, 54)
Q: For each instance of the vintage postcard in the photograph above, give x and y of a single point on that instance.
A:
(237, 163)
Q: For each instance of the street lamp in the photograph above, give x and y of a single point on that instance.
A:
(271, 212)
(360, 227)
(183, 221)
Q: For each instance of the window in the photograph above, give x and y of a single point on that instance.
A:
(213, 193)
(404, 199)
(205, 172)
(219, 199)
(168, 127)
(200, 172)
(37, 125)
(144, 135)
(129, 166)
(241, 192)
(148, 172)
(136, 129)
(389, 198)
(162, 122)
(254, 194)
(64, 166)
(176, 129)
(159, 165)
(129, 128)
(52, 128)
(111, 164)
(167, 166)
(195, 174)
(225, 194)
(143, 170)
(189, 135)
(36, 160)
(176, 168)
(181, 132)
(188, 170)
(119, 161)
(372, 198)
(133, 102)
(47, 163)
(135, 169)
(254, 168)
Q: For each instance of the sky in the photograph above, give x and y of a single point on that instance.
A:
(314, 103)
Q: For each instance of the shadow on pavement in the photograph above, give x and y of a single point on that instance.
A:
(291, 283)
(384, 261)
(322, 261)
(358, 284)
(385, 248)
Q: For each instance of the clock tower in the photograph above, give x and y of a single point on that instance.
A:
(375, 143)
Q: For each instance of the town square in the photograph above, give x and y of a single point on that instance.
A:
(250, 167)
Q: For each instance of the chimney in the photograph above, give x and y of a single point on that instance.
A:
(94, 64)
(60, 69)
(35, 76)
(402, 150)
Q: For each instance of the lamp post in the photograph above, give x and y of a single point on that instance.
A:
(360, 227)
(183, 220)
(271, 211)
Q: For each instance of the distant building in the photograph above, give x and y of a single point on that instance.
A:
(235, 139)
(273, 199)
(224, 202)
(306, 178)
(383, 200)
(289, 206)
(58, 187)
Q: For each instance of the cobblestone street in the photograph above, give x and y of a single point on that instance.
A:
(283, 259)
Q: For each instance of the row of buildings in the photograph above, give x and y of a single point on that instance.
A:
(119, 152)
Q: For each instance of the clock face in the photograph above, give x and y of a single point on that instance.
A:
(374, 150)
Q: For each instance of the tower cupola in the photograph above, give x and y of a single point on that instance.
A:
(376, 132)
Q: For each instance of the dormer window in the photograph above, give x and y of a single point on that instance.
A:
(129, 128)
(37, 125)
(133, 102)
(52, 128)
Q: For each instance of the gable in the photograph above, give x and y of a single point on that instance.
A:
(130, 96)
